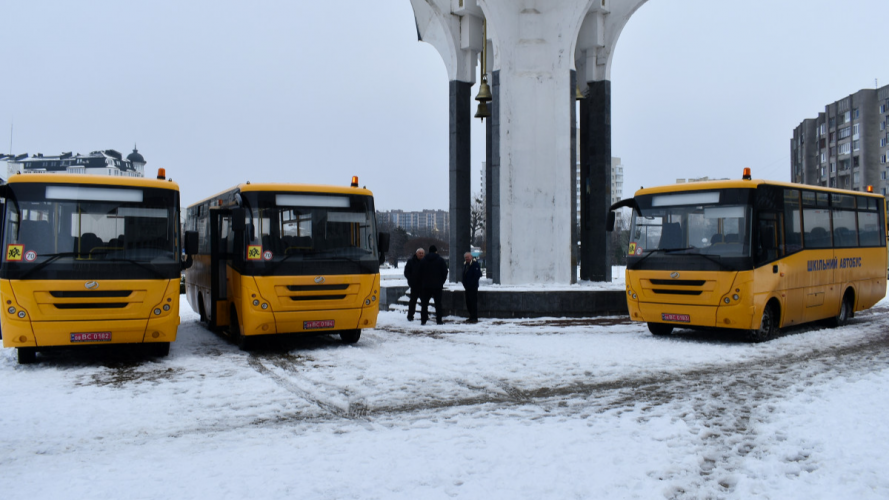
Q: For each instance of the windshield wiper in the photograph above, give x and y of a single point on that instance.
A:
(52, 258)
(154, 271)
(275, 266)
(722, 265)
(313, 254)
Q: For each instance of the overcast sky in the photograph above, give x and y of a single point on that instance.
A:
(221, 92)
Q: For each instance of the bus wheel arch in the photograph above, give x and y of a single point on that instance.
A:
(769, 321)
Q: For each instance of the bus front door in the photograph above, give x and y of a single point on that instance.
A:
(221, 246)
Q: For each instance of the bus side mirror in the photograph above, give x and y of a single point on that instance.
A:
(191, 242)
(383, 245)
(609, 222)
(239, 218)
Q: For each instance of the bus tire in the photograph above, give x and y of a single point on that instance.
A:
(159, 349)
(768, 327)
(660, 329)
(847, 308)
(26, 355)
(243, 342)
(201, 307)
(350, 336)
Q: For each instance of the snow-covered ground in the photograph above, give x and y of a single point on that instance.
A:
(542, 408)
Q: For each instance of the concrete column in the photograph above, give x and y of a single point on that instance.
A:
(492, 182)
(533, 40)
(574, 229)
(460, 195)
(595, 181)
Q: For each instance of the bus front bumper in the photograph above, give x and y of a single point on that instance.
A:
(311, 321)
(67, 333)
(736, 316)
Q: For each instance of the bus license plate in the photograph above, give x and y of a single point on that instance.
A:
(682, 318)
(314, 325)
(91, 337)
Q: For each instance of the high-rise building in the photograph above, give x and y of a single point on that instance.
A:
(423, 222)
(846, 146)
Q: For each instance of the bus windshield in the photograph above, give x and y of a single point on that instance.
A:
(309, 227)
(73, 231)
(713, 224)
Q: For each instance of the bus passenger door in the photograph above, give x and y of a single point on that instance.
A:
(220, 257)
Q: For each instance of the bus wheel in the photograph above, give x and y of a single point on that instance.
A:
(27, 355)
(767, 328)
(660, 329)
(350, 336)
(845, 311)
(242, 341)
(159, 349)
(201, 307)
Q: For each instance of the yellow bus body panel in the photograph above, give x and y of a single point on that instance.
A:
(130, 320)
(288, 311)
(803, 295)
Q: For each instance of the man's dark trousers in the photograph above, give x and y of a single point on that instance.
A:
(434, 294)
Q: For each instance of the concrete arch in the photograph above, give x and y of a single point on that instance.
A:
(597, 38)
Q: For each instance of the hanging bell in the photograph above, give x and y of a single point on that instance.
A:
(578, 94)
(484, 91)
(483, 111)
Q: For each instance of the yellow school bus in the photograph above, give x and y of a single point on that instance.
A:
(753, 255)
(286, 258)
(89, 259)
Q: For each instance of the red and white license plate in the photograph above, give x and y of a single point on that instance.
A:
(91, 337)
(682, 318)
(314, 325)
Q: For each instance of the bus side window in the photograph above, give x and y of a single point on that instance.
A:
(792, 222)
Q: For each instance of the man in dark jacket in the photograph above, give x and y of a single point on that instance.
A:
(412, 273)
(433, 274)
(472, 272)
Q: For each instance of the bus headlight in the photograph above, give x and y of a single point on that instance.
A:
(726, 300)
(11, 310)
(157, 311)
(255, 302)
(736, 297)
(21, 314)
(166, 307)
(265, 306)
(367, 302)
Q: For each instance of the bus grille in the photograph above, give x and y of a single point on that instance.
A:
(318, 297)
(316, 288)
(99, 305)
(678, 282)
(677, 292)
(67, 294)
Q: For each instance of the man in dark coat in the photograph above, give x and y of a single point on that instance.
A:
(472, 272)
(433, 274)
(412, 273)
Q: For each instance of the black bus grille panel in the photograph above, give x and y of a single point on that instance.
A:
(90, 295)
(678, 282)
(316, 288)
(318, 297)
(677, 292)
(100, 305)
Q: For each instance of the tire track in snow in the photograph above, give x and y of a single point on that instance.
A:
(353, 411)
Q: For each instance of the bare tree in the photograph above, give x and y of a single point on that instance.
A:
(477, 217)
